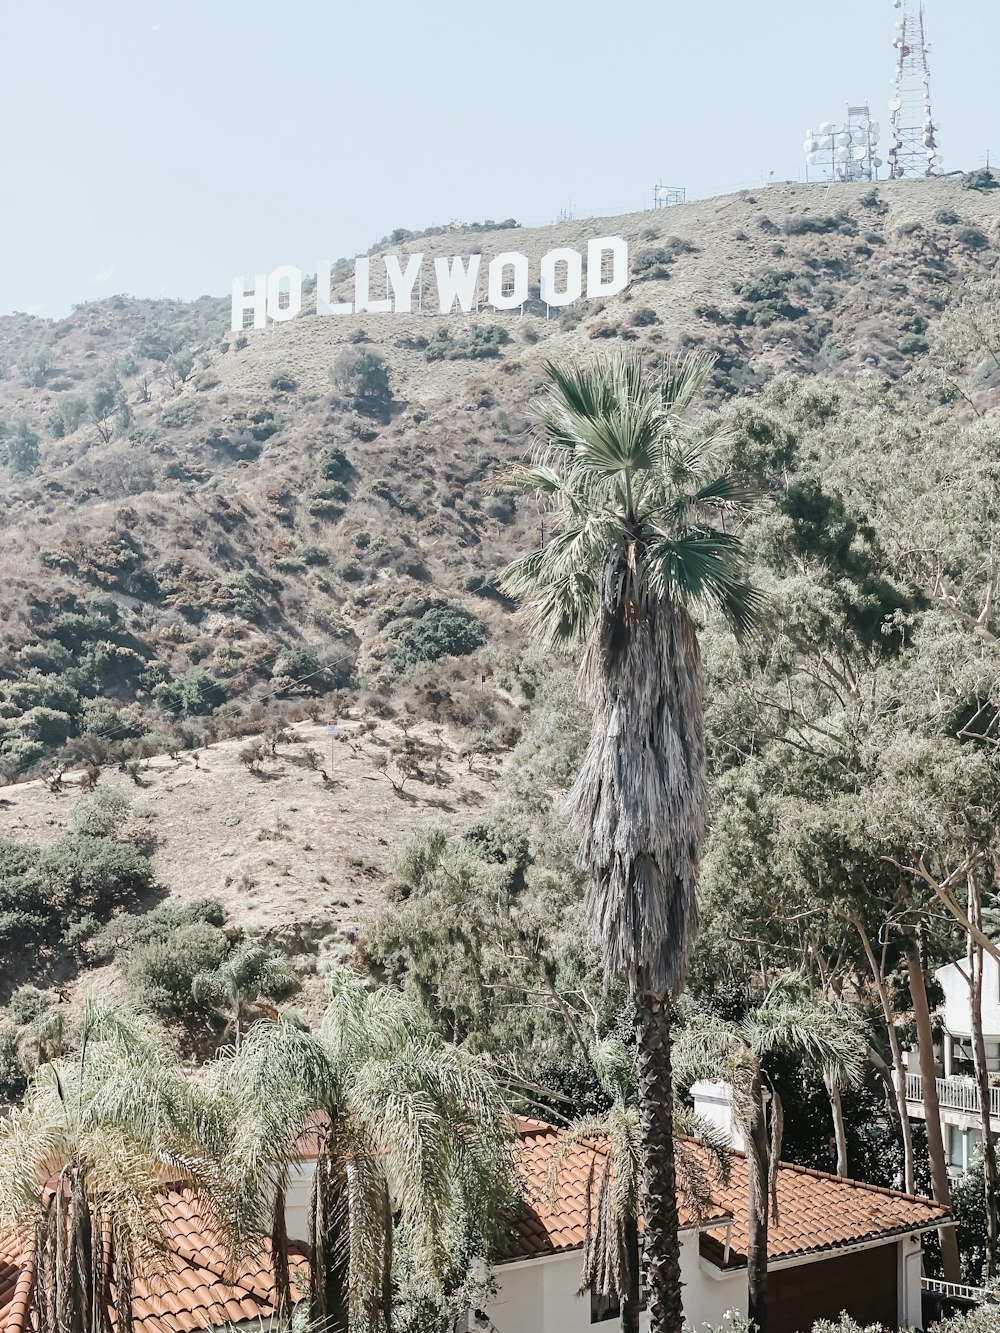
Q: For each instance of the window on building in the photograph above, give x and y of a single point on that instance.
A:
(604, 1307)
(248, 317)
(284, 300)
(507, 283)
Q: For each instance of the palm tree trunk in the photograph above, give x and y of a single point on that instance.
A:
(659, 1179)
(975, 958)
(632, 1298)
(758, 1174)
(329, 1241)
(932, 1110)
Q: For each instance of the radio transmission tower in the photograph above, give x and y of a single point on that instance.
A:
(914, 132)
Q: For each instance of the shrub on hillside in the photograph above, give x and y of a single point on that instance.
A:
(302, 668)
(873, 201)
(101, 814)
(767, 300)
(362, 377)
(442, 631)
(334, 465)
(44, 892)
(644, 316)
(947, 217)
(972, 238)
(836, 222)
(196, 693)
(981, 180)
(160, 974)
(19, 449)
(912, 344)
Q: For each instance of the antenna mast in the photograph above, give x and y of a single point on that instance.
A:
(914, 131)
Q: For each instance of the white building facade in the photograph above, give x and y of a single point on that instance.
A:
(957, 1088)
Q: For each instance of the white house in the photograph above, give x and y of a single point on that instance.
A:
(835, 1245)
(958, 1091)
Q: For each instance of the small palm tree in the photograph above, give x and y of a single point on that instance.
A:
(827, 1037)
(638, 542)
(84, 1161)
(249, 974)
(612, 1252)
(407, 1132)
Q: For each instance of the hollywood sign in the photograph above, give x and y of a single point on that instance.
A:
(561, 280)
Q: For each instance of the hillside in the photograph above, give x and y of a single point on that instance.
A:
(298, 851)
(203, 531)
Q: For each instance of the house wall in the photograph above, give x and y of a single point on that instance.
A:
(540, 1295)
(297, 1200)
(957, 1011)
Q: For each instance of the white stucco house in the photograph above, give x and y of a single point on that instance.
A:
(835, 1245)
(957, 1089)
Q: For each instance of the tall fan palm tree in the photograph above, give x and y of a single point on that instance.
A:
(826, 1036)
(83, 1164)
(612, 1253)
(406, 1131)
(638, 542)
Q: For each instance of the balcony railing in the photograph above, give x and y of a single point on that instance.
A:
(954, 1290)
(959, 1094)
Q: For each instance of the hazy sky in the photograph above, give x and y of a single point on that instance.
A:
(158, 147)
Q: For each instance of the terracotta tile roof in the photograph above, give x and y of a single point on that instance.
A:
(550, 1227)
(816, 1211)
(194, 1290)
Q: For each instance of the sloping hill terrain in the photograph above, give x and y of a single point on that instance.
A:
(201, 519)
(208, 534)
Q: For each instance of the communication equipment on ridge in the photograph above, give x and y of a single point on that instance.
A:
(914, 130)
(666, 196)
(843, 150)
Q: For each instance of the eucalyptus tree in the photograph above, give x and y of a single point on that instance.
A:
(612, 1252)
(405, 1133)
(83, 1164)
(639, 519)
(784, 1020)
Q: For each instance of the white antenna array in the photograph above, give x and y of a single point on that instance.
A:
(844, 150)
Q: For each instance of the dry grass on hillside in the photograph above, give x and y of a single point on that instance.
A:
(298, 856)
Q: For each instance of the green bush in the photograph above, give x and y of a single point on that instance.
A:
(27, 1003)
(307, 669)
(196, 693)
(334, 465)
(314, 555)
(482, 342)
(283, 384)
(972, 238)
(442, 631)
(13, 1080)
(980, 180)
(160, 974)
(767, 300)
(873, 200)
(46, 891)
(912, 344)
(101, 814)
(67, 416)
(362, 377)
(644, 316)
(841, 222)
(947, 217)
(19, 449)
